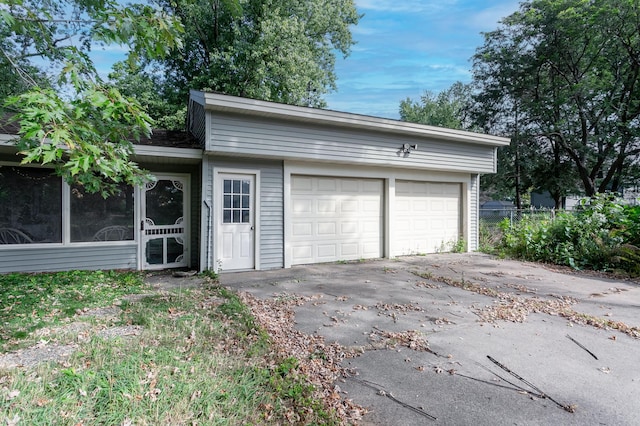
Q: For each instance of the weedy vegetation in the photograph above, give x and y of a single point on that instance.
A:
(601, 234)
(197, 356)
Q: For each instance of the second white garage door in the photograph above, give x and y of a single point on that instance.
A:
(335, 219)
(427, 217)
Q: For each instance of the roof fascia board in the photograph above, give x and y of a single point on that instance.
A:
(146, 150)
(220, 102)
(165, 151)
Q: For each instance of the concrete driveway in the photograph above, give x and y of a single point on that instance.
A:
(464, 339)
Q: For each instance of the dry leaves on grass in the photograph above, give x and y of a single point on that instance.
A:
(319, 362)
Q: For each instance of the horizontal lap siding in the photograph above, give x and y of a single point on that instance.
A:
(47, 259)
(474, 206)
(278, 139)
(271, 205)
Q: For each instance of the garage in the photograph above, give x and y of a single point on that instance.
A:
(335, 218)
(332, 186)
(426, 218)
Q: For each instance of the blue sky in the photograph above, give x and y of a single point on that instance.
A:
(405, 47)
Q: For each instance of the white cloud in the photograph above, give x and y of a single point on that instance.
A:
(487, 19)
(413, 6)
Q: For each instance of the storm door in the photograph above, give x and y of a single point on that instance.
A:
(164, 223)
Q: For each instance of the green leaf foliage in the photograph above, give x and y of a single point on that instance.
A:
(276, 50)
(602, 234)
(563, 77)
(449, 108)
(73, 120)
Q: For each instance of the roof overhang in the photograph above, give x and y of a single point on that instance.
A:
(142, 153)
(166, 155)
(238, 105)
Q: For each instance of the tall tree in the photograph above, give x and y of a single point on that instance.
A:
(450, 108)
(571, 68)
(277, 50)
(74, 121)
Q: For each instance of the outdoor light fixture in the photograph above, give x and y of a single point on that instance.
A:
(407, 148)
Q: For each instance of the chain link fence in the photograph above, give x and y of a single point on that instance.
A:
(490, 233)
(492, 217)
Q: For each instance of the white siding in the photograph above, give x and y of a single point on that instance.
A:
(474, 211)
(270, 138)
(63, 258)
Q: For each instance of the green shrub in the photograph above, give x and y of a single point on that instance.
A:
(601, 234)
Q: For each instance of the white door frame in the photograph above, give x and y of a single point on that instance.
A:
(141, 210)
(219, 175)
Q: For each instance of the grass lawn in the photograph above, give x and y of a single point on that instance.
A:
(194, 356)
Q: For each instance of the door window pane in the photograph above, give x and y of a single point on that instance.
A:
(94, 218)
(164, 200)
(236, 201)
(175, 250)
(30, 206)
(154, 251)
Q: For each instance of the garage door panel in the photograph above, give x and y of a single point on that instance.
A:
(345, 219)
(326, 206)
(371, 206)
(348, 206)
(326, 184)
(302, 184)
(370, 229)
(326, 250)
(303, 229)
(427, 217)
(349, 249)
(302, 206)
(349, 186)
(371, 186)
(349, 228)
(327, 229)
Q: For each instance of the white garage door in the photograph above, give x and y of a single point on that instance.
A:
(335, 219)
(427, 217)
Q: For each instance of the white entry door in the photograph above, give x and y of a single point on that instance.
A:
(164, 224)
(236, 222)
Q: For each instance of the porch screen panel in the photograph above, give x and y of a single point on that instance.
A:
(95, 219)
(30, 206)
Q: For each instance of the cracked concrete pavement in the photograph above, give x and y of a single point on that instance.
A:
(385, 307)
